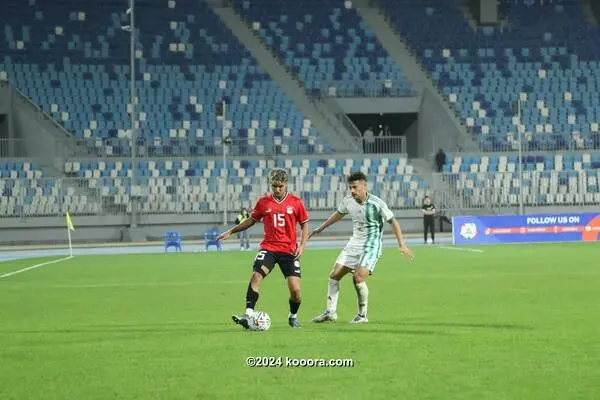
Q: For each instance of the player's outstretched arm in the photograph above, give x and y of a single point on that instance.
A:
(238, 228)
(333, 218)
(406, 252)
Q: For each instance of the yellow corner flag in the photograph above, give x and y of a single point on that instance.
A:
(70, 223)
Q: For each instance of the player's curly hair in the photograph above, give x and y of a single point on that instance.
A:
(278, 175)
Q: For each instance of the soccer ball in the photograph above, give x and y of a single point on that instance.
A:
(259, 321)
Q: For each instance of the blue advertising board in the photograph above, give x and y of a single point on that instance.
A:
(525, 228)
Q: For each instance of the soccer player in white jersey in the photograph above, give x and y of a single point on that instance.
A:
(363, 250)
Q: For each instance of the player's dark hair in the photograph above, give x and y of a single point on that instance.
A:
(357, 176)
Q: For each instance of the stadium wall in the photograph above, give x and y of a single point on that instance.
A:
(379, 105)
(4, 98)
(437, 130)
(40, 143)
(113, 228)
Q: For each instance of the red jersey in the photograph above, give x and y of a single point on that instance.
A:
(279, 218)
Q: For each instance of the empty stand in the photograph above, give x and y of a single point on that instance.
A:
(548, 179)
(547, 51)
(198, 185)
(24, 191)
(325, 43)
(72, 59)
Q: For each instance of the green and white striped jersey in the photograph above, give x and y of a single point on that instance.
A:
(367, 222)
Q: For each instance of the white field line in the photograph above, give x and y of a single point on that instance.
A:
(8, 274)
(461, 249)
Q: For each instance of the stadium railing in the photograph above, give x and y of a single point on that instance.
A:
(539, 142)
(384, 145)
(505, 191)
(270, 147)
(377, 89)
(102, 194)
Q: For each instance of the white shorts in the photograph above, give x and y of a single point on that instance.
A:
(354, 259)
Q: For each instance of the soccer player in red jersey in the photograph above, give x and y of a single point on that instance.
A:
(279, 213)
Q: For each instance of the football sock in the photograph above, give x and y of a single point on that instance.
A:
(363, 297)
(251, 299)
(333, 291)
(294, 308)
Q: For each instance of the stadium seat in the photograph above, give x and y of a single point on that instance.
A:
(196, 185)
(24, 190)
(72, 59)
(210, 239)
(173, 239)
(546, 54)
(327, 45)
(548, 178)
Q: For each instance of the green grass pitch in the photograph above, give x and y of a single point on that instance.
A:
(518, 322)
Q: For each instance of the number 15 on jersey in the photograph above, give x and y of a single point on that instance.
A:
(278, 220)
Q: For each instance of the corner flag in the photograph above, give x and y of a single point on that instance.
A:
(70, 223)
(70, 228)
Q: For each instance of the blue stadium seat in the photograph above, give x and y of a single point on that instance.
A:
(549, 53)
(327, 45)
(73, 60)
(192, 185)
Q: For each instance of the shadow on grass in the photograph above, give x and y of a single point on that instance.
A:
(458, 325)
(122, 331)
(166, 327)
(365, 329)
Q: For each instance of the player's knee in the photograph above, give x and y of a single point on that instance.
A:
(337, 272)
(360, 276)
(295, 295)
(262, 272)
(256, 280)
(294, 287)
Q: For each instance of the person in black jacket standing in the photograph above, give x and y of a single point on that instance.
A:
(428, 219)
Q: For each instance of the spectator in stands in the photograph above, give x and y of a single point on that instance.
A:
(440, 160)
(243, 236)
(369, 140)
(387, 131)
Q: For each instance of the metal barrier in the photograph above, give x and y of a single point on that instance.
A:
(102, 193)
(273, 148)
(371, 88)
(324, 104)
(270, 146)
(538, 142)
(384, 145)
(503, 191)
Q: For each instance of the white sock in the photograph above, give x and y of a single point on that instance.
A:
(363, 297)
(249, 312)
(332, 295)
(292, 315)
